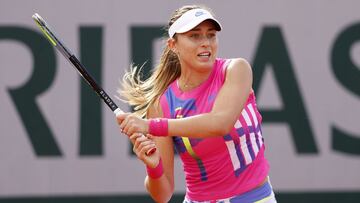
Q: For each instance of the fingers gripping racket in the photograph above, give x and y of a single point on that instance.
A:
(79, 67)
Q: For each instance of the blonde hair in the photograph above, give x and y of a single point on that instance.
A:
(143, 94)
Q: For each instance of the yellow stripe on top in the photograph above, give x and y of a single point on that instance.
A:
(189, 147)
(190, 150)
(186, 140)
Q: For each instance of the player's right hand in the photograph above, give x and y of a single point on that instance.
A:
(141, 145)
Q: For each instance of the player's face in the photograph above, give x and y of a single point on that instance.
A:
(197, 48)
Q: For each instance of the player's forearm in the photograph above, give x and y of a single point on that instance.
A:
(160, 189)
(201, 126)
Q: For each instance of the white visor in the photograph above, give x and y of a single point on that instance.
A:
(191, 19)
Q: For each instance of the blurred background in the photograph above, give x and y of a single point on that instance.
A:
(60, 143)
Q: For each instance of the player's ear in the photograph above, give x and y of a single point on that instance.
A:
(171, 44)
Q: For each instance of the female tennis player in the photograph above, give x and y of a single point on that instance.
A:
(203, 106)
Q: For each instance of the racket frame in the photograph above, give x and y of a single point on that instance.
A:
(59, 45)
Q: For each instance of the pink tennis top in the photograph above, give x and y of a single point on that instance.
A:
(224, 166)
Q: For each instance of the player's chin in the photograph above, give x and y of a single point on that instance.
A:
(206, 62)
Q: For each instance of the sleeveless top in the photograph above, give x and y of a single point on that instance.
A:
(222, 166)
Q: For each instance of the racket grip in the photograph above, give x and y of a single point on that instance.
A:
(118, 111)
(150, 151)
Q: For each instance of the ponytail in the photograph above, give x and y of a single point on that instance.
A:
(143, 94)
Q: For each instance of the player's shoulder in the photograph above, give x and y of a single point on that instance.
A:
(238, 65)
(238, 62)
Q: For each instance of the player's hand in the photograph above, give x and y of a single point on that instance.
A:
(141, 145)
(130, 124)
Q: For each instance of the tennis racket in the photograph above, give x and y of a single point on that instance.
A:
(79, 67)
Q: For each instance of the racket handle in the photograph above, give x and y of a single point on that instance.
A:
(150, 151)
(118, 111)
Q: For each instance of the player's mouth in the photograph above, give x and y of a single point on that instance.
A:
(204, 55)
